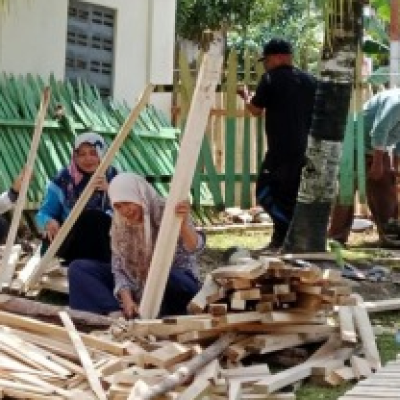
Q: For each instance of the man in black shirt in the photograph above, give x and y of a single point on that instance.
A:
(287, 96)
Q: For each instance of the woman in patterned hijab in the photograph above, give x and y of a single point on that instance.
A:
(137, 216)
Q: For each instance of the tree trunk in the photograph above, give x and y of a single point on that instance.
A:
(49, 313)
(317, 191)
(394, 43)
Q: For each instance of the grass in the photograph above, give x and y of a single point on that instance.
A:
(250, 239)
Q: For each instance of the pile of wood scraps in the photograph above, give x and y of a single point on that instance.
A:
(244, 317)
(250, 311)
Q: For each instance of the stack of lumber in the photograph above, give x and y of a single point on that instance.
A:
(243, 314)
(269, 306)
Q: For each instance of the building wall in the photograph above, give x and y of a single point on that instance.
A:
(32, 37)
(33, 40)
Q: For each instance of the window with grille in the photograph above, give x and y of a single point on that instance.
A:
(90, 45)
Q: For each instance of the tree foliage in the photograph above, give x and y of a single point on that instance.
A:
(196, 16)
(249, 24)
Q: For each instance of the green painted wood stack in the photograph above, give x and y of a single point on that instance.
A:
(150, 149)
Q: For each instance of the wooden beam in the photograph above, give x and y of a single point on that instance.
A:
(32, 325)
(87, 192)
(203, 98)
(364, 328)
(346, 323)
(8, 268)
(87, 364)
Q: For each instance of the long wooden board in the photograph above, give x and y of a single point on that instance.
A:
(196, 123)
(8, 268)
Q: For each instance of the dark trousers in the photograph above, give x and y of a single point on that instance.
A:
(276, 191)
(4, 227)
(381, 198)
(89, 238)
(91, 285)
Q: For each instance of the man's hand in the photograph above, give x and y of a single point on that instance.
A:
(243, 92)
(129, 307)
(52, 227)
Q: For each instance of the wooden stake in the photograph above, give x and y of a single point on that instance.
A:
(85, 196)
(202, 101)
(8, 268)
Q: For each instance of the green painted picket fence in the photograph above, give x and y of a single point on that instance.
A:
(229, 160)
(233, 146)
(150, 149)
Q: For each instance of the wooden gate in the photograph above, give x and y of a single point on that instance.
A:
(233, 146)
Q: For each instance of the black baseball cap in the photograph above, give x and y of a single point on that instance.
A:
(276, 46)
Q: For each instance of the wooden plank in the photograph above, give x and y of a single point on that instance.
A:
(382, 305)
(367, 336)
(8, 268)
(340, 376)
(251, 270)
(346, 323)
(247, 294)
(18, 284)
(287, 377)
(87, 364)
(235, 390)
(29, 353)
(361, 367)
(196, 390)
(203, 96)
(87, 192)
(168, 355)
(209, 289)
(35, 326)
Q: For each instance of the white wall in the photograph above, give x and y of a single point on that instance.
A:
(32, 37)
(33, 40)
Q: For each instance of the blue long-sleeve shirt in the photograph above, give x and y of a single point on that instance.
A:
(382, 121)
(62, 194)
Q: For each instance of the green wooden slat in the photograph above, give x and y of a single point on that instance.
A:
(213, 182)
(360, 146)
(245, 201)
(230, 138)
(346, 168)
(150, 149)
